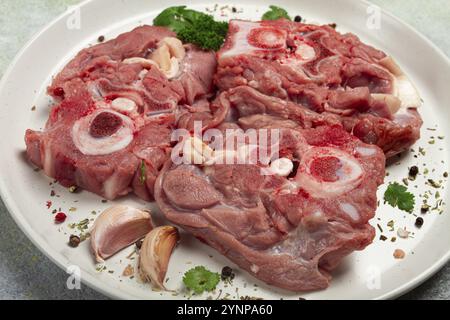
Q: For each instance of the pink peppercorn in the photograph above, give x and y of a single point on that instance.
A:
(60, 217)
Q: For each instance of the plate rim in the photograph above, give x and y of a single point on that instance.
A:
(96, 284)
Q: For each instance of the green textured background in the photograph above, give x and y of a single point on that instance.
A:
(25, 273)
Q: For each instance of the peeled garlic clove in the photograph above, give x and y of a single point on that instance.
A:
(162, 57)
(145, 63)
(195, 151)
(174, 68)
(155, 253)
(175, 47)
(282, 167)
(117, 228)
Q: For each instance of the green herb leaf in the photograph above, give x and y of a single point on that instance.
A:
(200, 279)
(398, 196)
(193, 26)
(275, 13)
(142, 173)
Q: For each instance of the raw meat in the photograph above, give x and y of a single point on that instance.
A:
(110, 131)
(292, 231)
(324, 71)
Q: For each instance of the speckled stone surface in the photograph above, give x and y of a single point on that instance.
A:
(25, 273)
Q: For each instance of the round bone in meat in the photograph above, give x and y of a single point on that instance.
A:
(325, 172)
(100, 145)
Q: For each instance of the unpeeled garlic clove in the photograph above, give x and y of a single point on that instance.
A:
(155, 254)
(117, 228)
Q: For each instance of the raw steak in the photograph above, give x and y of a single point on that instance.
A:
(291, 231)
(117, 103)
(324, 71)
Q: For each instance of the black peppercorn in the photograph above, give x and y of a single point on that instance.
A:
(425, 208)
(227, 273)
(74, 241)
(298, 19)
(233, 9)
(333, 25)
(101, 39)
(413, 171)
(419, 222)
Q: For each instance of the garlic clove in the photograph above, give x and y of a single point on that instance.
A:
(195, 151)
(174, 68)
(282, 167)
(117, 228)
(175, 46)
(145, 63)
(155, 254)
(162, 57)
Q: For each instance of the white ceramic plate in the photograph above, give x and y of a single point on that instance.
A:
(371, 274)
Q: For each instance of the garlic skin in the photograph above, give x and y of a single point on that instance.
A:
(116, 228)
(155, 254)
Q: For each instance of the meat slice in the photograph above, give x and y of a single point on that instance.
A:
(134, 66)
(100, 150)
(289, 231)
(324, 71)
(116, 105)
(253, 109)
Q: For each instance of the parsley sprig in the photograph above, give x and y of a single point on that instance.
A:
(398, 196)
(200, 279)
(275, 13)
(193, 27)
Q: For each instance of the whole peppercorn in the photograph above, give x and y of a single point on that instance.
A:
(413, 172)
(74, 241)
(227, 273)
(101, 39)
(139, 244)
(60, 217)
(298, 19)
(424, 209)
(419, 222)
